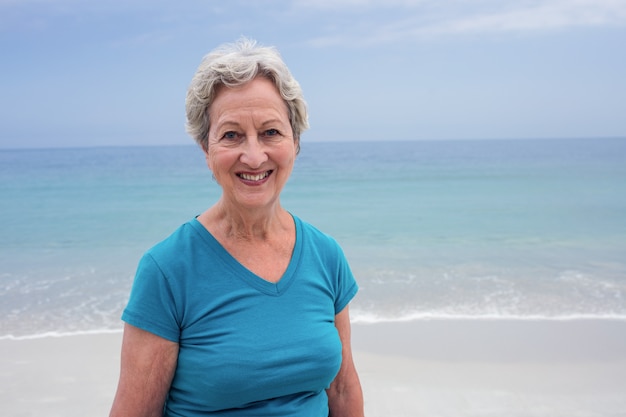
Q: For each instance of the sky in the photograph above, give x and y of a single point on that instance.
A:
(115, 72)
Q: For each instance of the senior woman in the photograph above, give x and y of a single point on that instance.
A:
(242, 311)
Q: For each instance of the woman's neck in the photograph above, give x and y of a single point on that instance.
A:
(249, 225)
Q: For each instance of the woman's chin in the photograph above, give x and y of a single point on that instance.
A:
(256, 202)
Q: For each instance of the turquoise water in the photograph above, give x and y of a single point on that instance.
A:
(524, 229)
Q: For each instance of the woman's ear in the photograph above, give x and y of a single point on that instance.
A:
(205, 150)
(208, 162)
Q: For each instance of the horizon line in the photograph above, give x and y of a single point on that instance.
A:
(395, 140)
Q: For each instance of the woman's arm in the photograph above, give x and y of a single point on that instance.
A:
(147, 368)
(345, 398)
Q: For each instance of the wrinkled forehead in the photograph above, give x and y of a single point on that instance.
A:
(257, 96)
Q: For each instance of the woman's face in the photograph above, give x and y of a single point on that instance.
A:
(251, 149)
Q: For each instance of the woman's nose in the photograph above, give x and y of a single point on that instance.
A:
(254, 153)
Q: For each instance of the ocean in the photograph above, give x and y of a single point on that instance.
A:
(491, 229)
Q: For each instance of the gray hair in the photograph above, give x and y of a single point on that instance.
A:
(233, 65)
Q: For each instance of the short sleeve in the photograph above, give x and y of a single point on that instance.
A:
(346, 284)
(152, 305)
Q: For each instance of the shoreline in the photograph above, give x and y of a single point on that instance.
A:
(423, 368)
(358, 322)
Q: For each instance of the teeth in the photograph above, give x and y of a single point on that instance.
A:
(257, 177)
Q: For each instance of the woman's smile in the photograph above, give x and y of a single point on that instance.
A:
(255, 179)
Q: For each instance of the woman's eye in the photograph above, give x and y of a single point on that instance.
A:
(271, 132)
(230, 135)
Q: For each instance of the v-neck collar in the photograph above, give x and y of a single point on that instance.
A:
(270, 288)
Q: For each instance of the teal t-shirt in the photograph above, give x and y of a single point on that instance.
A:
(247, 347)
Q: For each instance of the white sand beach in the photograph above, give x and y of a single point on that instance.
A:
(426, 368)
(493, 368)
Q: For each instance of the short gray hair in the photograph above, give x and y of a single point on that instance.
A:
(233, 65)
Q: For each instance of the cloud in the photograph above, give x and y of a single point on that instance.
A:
(430, 18)
(545, 15)
(327, 22)
(353, 5)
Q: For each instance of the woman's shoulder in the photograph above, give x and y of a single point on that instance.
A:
(311, 233)
(179, 241)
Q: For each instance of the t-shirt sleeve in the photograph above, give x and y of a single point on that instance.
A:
(151, 305)
(346, 284)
